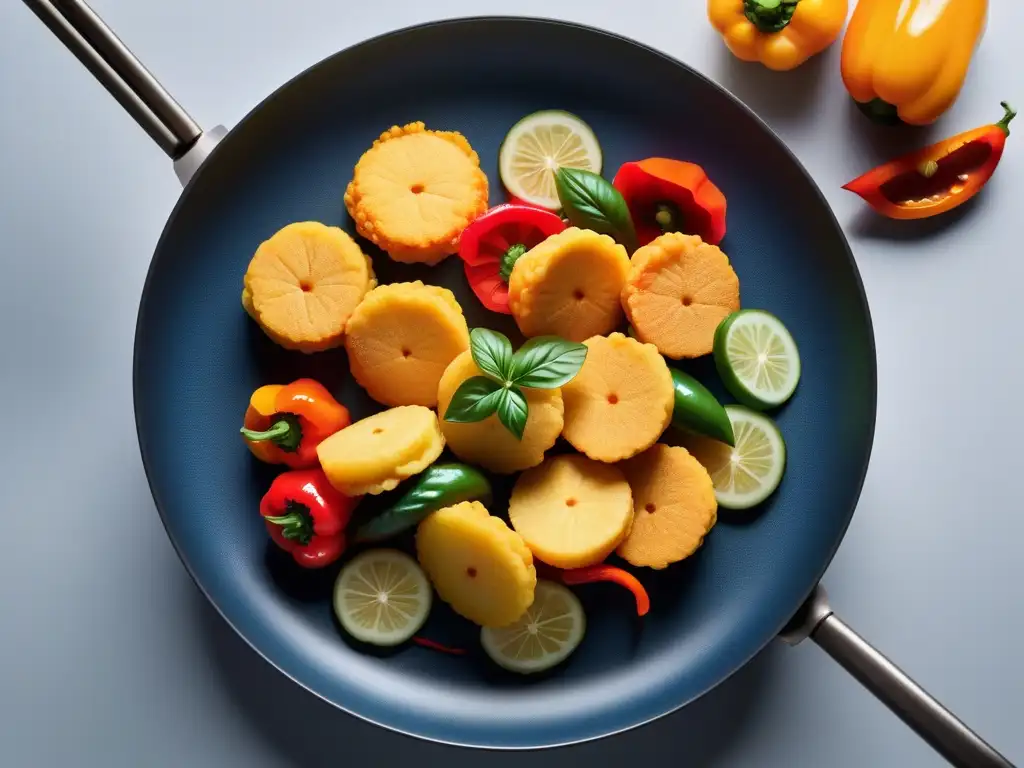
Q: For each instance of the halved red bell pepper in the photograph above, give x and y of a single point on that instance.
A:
(937, 178)
(285, 423)
(491, 244)
(667, 195)
(306, 516)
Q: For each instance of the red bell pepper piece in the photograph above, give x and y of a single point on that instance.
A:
(285, 424)
(937, 178)
(306, 516)
(666, 195)
(491, 244)
(513, 200)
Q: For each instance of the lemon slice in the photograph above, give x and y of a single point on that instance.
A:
(540, 144)
(747, 474)
(543, 637)
(382, 597)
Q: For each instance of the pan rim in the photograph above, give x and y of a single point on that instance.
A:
(761, 643)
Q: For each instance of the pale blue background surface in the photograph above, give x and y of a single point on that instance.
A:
(110, 657)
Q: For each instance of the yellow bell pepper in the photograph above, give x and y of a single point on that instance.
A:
(781, 34)
(907, 59)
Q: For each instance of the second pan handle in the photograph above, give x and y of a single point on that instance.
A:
(948, 735)
(123, 75)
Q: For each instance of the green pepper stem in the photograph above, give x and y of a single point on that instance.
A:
(285, 433)
(1010, 113)
(880, 111)
(770, 15)
(296, 524)
(509, 259)
(278, 430)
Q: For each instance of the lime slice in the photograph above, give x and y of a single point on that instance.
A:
(747, 474)
(543, 637)
(382, 597)
(540, 144)
(757, 358)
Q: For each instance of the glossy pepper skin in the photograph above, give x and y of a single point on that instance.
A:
(439, 485)
(781, 34)
(697, 410)
(491, 244)
(937, 178)
(306, 516)
(666, 195)
(285, 423)
(907, 59)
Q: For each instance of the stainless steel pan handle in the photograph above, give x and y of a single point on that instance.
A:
(128, 81)
(949, 736)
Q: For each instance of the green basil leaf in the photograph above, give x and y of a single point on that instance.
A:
(513, 411)
(547, 362)
(474, 400)
(590, 201)
(492, 352)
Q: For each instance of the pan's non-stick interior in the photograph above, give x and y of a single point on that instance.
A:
(198, 357)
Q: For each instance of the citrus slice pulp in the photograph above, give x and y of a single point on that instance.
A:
(757, 358)
(382, 597)
(543, 637)
(747, 474)
(537, 146)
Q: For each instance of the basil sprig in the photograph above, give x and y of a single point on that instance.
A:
(474, 400)
(546, 362)
(590, 201)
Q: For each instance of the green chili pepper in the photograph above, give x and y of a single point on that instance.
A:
(440, 485)
(697, 410)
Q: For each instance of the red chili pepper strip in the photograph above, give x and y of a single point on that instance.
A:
(306, 516)
(937, 178)
(427, 643)
(667, 195)
(285, 424)
(615, 575)
(493, 242)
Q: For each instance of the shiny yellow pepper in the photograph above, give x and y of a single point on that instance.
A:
(781, 34)
(907, 59)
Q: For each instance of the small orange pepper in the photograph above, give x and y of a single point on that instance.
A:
(285, 423)
(937, 178)
(780, 34)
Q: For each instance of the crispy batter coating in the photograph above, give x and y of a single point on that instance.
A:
(415, 190)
